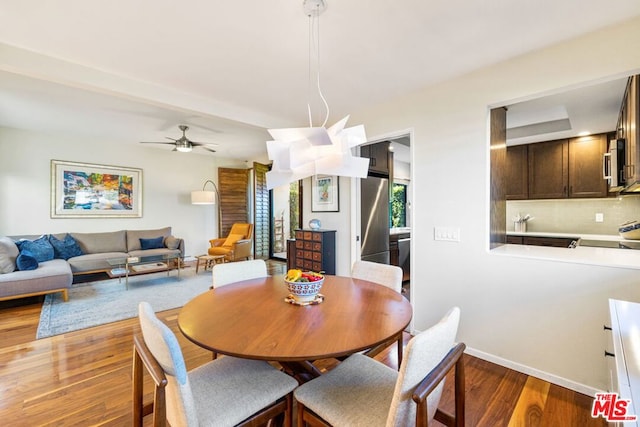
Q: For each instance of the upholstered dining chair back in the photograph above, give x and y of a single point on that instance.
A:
(384, 274)
(230, 272)
(423, 353)
(164, 346)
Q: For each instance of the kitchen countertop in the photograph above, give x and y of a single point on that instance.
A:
(605, 257)
(400, 230)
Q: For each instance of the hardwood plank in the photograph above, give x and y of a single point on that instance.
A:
(531, 404)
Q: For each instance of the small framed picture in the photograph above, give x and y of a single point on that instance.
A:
(325, 193)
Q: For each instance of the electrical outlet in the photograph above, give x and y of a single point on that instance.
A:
(446, 234)
(599, 217)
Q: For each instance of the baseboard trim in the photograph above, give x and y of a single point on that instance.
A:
(553, 379)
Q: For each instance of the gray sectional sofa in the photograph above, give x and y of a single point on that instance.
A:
(56, 275)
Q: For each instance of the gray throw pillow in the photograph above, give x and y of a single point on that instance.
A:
(8, 254)
(172, 242)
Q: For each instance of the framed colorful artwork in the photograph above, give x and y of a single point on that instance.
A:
(325, 193)
(84, 190)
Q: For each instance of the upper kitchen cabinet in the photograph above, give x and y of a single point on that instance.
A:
(548, 169)
(381, 159)
(566, 168)
(629, 128)
(517, 186)
(585, 166)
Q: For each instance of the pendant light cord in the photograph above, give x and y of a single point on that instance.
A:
(314, 19)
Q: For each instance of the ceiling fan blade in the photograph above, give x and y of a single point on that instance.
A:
(204, 143)
(168, 137)
(156, 142)
(207, 148)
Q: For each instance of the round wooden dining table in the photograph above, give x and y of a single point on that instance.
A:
(251, 319)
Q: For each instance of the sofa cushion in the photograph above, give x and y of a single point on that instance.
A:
(171, 242)
(26, 261)
(134, 236)
(153, 243)
(94, 262)
(40, 248)
(95, 243)
(65, 248)
(8, 253)
(50, 275)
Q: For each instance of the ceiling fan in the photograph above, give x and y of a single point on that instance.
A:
(183, 144)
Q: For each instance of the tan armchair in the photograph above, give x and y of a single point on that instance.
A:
(237, 245)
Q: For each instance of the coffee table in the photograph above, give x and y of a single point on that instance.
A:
(133, 266)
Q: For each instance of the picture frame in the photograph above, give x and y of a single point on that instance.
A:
(86, 190)
(325, 193)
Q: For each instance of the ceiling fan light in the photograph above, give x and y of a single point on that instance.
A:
(183, 149)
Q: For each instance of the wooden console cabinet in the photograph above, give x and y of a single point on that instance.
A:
(313, 250)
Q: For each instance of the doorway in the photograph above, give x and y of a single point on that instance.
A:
(286, 217)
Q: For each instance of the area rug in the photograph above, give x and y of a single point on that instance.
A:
(105, 301)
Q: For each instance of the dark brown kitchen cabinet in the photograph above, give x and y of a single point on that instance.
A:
(517, 186)
(556, 242)
(313, 250)
(567, 168)
(380, 157)
(585, 166)
(548, 169)
(399, 250)
(515, 240)
(629, 129)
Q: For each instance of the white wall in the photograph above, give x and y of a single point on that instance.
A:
(168, 179)
(542, 317)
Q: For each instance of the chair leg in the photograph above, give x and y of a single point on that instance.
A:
(137, 389)
(400, 350)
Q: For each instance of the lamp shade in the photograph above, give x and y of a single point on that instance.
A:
(203, 197)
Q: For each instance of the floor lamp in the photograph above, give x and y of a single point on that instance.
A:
(204, 197)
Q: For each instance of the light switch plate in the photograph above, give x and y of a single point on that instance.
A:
(599, 217)
(446, 234)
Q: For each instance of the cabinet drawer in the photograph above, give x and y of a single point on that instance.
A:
(307, 246)
(299, 253)
(316, 256)
(317, 237)
(299, 244)
(299, 263)
(308, 264)
(317, 247)
(299, 234)
(306, 235)
(308, 255)
(317, 266)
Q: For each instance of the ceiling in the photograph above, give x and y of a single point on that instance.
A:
(134, 71)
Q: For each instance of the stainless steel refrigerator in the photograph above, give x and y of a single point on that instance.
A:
(374, 233)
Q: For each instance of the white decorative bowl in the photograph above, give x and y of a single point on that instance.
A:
(304, 291)
(630, 230)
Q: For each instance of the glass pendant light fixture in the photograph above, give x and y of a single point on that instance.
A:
(301, 152)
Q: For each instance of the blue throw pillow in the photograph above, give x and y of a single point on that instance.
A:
(40, 248)
(26, 260)
(66, 248)
(155, 243)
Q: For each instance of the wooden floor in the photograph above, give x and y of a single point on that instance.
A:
(84, 378)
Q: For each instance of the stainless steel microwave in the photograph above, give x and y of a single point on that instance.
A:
(613, 163)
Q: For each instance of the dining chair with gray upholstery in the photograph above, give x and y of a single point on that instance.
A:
(386, 275)
(223, 392)
(364, 392)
